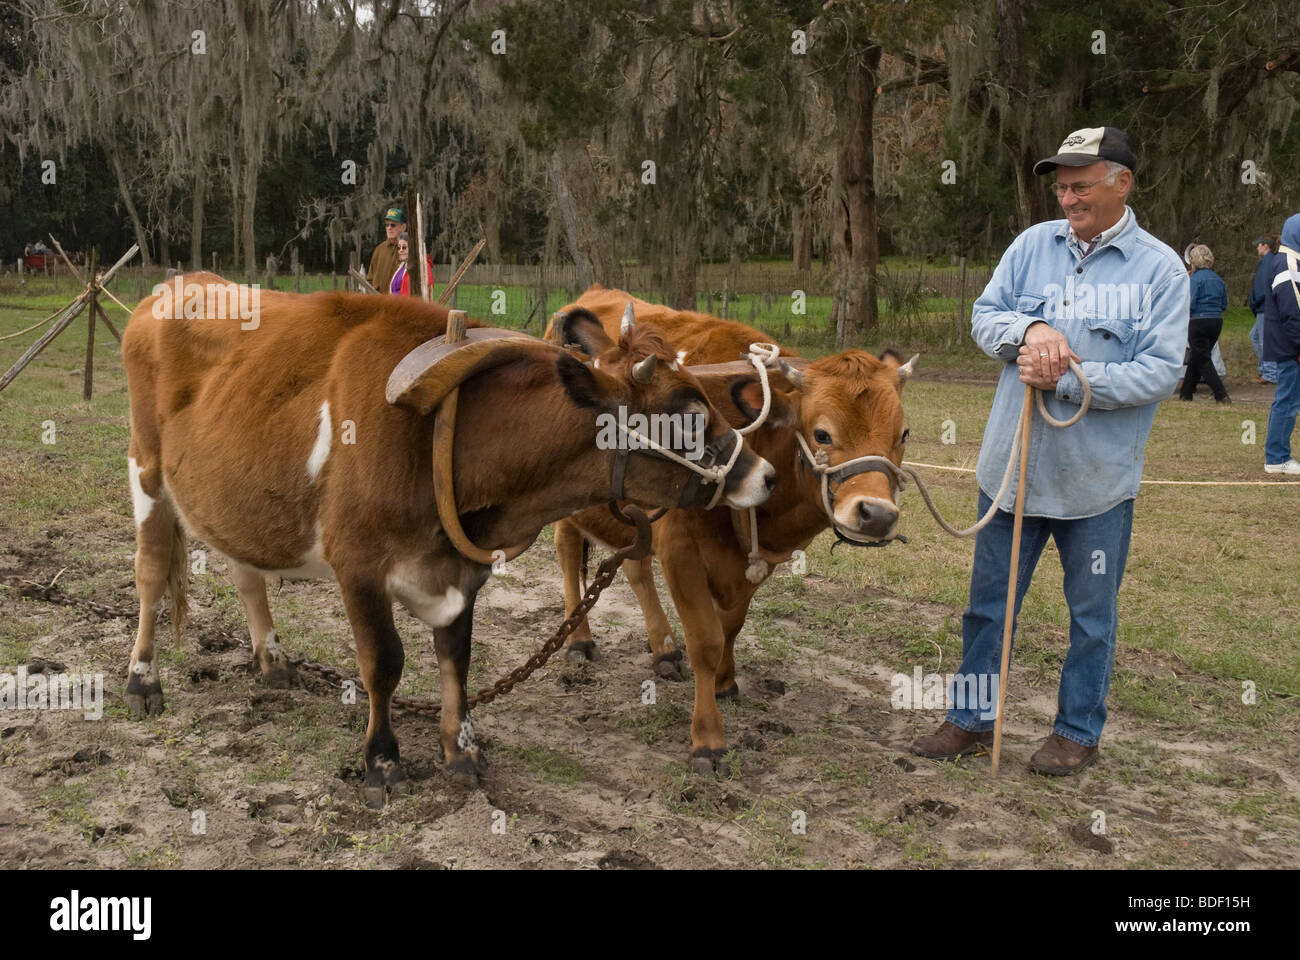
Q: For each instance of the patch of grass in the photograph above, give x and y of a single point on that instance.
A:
(275, 769)
(163, 854)
(551, 765)
(654, 721)
(68, 804)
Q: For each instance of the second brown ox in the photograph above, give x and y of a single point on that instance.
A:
(845, 406)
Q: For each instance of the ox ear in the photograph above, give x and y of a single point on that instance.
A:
(581, 328)
(586, 387)
(747, 395)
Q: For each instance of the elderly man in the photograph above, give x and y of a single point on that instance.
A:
(384, 261)
(1097, 289)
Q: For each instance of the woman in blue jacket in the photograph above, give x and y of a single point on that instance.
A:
(1209, 300)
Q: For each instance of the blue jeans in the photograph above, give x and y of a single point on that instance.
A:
(1093, 553)
(1281, 416)
(1267, 368)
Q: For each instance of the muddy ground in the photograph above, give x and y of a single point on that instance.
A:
(581, 772)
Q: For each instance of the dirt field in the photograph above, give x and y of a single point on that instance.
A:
(584, 773)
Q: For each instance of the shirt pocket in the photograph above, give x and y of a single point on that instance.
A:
(1031, 304)
(1108, 339)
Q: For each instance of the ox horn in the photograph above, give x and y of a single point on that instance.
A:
(791, 374)
(644, 371)
(909, 368)
(629, 321)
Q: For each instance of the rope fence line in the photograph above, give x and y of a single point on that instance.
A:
(1170, 483)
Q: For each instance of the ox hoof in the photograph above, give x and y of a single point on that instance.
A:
(384, 778)
(144, 697)
(708, 762)
(580, 651)
(140, 707)
(669, 666)
(464, 772)
(728, 693)
(280, 673)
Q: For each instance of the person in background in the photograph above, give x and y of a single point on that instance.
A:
(401, 282)
(1209, 300)
(384, 260)
(1282, 345)
(1264, 246)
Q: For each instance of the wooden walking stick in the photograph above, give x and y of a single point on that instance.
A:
(1026, 423)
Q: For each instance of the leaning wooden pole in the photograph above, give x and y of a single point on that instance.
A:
(417, 249)
(1026, 423)
(87, 382)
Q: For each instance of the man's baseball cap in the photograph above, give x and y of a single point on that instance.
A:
(395, 214)
(1089, 145)
(1264, 239)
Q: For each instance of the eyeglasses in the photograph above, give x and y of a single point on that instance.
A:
(1080, 190)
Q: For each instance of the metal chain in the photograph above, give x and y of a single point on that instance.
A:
(605, 574)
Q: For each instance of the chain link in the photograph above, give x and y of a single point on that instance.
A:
(605, 574)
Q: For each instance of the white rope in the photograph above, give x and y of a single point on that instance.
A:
(1166, 483)
(715, 474)
(762, 356)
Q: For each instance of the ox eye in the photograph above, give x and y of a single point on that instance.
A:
(822, 437)
(906, 434)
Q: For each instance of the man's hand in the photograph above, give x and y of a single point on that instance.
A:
(1045, 355)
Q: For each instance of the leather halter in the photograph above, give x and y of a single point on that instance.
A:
(716, 453)
(827, 474)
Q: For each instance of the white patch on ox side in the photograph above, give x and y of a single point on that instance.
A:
(312, 566)
(436, 611)
(143, 668)
(141, 502)
(676, 364)
(321, 450)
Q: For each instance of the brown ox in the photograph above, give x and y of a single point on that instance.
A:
(276, 446)
(848, 404)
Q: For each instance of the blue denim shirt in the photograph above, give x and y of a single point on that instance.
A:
(1124, 310)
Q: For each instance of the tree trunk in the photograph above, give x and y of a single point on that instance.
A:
(125, 190)
(802, 239)
(855, 242)
(1016, 125)
(586, 230)
(196, 222)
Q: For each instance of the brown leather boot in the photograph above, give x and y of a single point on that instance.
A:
(1059, 757)
(950, 742)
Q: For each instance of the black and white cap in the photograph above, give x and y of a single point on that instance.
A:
(1089, 145)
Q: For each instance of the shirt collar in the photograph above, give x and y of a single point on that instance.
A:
(1121, 235)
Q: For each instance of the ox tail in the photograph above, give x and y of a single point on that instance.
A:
(177, 577)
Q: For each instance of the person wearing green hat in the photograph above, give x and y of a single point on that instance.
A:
(384, 261)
